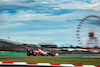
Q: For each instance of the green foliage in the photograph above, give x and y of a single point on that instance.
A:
(64, 52)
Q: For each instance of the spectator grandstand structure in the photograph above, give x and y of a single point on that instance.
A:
(6, 45)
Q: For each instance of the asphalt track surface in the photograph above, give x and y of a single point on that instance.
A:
(24, 54)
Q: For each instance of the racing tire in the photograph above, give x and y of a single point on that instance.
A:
(34, 54)
(53, 54)
(28, 54)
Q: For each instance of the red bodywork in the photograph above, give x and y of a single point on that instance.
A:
(38, 52)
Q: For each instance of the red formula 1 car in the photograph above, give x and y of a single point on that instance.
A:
(39, 52)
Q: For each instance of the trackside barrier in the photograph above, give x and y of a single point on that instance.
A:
(45, 64)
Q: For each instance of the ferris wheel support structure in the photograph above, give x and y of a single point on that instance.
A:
(91, 36)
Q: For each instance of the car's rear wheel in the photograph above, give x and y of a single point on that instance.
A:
(34, 54)
(53, 54)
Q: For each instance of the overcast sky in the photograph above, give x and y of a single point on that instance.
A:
(54, 21)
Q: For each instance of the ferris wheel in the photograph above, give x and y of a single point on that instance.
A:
(88, 31)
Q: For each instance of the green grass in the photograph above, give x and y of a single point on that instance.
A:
(50, 59)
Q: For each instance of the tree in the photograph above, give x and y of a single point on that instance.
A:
(78, 47)
(71, 46)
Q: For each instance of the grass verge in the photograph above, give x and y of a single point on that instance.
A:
(50, 59)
